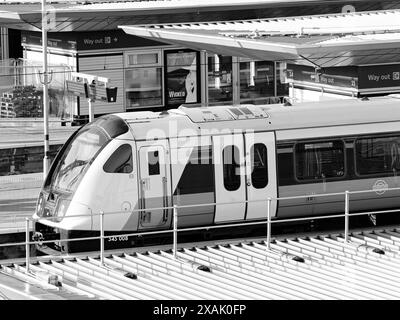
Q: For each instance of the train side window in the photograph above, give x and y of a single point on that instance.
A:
(120, 161)
(230, 158)
(319, 160)
(198, 175)
(154, 163)
(377, 155)
(259, 165)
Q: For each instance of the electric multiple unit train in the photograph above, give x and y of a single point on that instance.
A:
(225, 158)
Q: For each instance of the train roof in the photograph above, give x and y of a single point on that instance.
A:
(188, 121)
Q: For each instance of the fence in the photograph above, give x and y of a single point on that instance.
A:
(175, 229)
(21, 89)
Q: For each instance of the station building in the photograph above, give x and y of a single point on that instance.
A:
(327, 56)
(177, 54)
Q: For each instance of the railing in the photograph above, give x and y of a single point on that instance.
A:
(175, 229)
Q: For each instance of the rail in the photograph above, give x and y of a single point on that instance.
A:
(269, 221)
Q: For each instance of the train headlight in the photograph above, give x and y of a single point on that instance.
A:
(40, 206)
(61, 209)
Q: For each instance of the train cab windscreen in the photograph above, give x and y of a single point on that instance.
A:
(79, 154)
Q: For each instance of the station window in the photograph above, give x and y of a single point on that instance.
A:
(282, 85)
(257, 81)
(120, 161)
(259, 166)
(319, 160)
(153, 159)
(231, 163)
(377, 155)
(143, 79)
(219, 79)
(143, 87)
(144, 58)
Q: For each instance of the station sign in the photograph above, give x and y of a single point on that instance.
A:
(91, 40)
(99, 92)
(91, 87)
(379, 76)
(342, 77)
(77, 88)
(371, 78)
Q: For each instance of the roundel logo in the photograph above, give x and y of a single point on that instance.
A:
(380, 186)
(348, 8)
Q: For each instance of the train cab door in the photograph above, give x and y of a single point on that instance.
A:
(260, 174)
(230, 189)
(153, 185)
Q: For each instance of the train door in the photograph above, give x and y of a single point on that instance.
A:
(260, 174)
(230, 186)
(153, 185)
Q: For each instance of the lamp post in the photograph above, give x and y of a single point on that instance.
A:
(46, 159)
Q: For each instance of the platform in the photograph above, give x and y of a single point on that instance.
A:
(29, 132)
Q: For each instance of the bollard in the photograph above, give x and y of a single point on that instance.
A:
(27, 249)
(269, 223)
(102, 238)
(175, 223)
(346, 216)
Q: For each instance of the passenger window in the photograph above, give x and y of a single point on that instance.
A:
(198, 175)
(120, 161)
(259, 168)
(377, 155)
(319, 160)
(154, 163)
(230, 157)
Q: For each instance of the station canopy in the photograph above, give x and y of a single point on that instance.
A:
(329, 40)
(101, 15)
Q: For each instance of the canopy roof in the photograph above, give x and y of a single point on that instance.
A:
(322, 40)
(92, 15)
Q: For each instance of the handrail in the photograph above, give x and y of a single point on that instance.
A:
(228, 203)
(175, 229)
(346, 216)
(231, 202)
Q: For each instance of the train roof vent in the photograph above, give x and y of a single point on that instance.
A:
(248, 112)
(207, 114)
(141, 115)
(224, 113)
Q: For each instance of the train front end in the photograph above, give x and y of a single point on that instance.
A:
(64, 210)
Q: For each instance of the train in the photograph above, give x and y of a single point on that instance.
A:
(219, 165)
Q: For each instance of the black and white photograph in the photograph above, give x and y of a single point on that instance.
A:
(200, 158)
